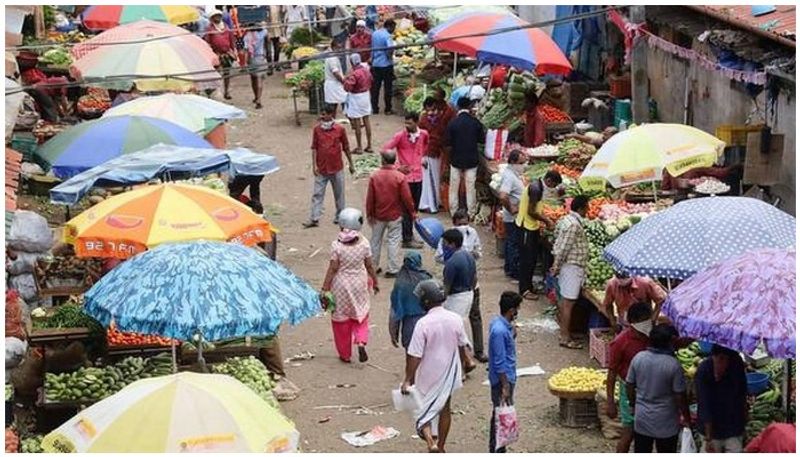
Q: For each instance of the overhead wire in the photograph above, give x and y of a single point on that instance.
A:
(186, 76)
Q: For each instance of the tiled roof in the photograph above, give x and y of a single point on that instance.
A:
(13, 161)
(781, 22)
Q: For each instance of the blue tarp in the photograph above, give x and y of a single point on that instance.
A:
(159, 161)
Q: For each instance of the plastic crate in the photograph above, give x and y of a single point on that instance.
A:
(577, 413)
(621, 86)
(25, 145)
(599, 348)
(736, 135)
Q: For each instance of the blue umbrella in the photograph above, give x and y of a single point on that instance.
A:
(217, 290)
(695, 234)
(92, 143)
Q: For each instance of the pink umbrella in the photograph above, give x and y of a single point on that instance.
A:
(141, 31)
(741, 302)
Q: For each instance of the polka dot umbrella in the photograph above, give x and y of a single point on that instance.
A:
(695, 234)
(741, 302)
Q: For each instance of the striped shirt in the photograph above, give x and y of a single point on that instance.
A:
(571, 245)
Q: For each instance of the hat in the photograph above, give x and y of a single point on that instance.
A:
(361, 23)
(430, 291)
(215, 13)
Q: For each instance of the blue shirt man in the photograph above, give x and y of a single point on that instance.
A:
(502, 359)
(382, 38)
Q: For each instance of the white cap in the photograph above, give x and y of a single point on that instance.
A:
(215, 13)
(361, 23)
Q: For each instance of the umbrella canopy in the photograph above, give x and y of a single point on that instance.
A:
(220, 290)
(184, 412)
(188, 111)
(141, 31)
(695, 234)
(527, 49)
(160, 161)
(104, 17)
(741, 302)
(152, 65)
(132, 222)
(640, 154)
(91, 143)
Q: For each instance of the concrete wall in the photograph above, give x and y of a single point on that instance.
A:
(715, 100)
(537, 13)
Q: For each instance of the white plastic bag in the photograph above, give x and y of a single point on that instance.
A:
(687, 441)
(410, 402)
(506, 426)
(29, 233)
(495, 143)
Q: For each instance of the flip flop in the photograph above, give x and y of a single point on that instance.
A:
(357, 151)
(368, 150)
(570, 344)
(532, 296)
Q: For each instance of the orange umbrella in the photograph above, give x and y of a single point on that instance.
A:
(135, 221)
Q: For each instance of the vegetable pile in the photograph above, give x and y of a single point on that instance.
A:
(575, 154)
(313, 73)
(577, 379)
(250, 372)
(304, 52)
(365, 164)
(115, 337)
(69, 267)
(57, 56)
(12, 441)
(9, 392)
(32, 445)
(93, 383)
(95, 100)
(553, 115)
(69, 315)
(712, 187)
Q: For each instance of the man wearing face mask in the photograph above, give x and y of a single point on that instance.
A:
(625, 290)
(511, 188)
(329, 141)
(410, 144)
(622, 350)
(502, 359)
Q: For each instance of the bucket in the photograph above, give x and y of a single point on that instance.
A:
(757, 383)
(705, 347)
(431, 230)
(622, 112)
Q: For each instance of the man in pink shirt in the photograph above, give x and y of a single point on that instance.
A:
(411, 145)
(624, 290)
(433, 364)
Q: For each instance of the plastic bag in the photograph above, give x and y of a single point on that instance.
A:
(506, 426)
(29, 233)
(687, 442)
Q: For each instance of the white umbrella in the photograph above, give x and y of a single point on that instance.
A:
(187, 110)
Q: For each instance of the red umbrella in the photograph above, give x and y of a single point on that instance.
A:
(524, 48)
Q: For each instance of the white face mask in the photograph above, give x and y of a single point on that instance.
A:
(326, 125)
(643, 327)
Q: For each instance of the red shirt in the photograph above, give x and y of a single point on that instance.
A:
(361, 80)
(388, 195)
(499, 76)
(776, 438)
(362, 40)
(641, 290)
(408, 153)
(329, 145)
(534, 129)
(622, 350)
(220, 42)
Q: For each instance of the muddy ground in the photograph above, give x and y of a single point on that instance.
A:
(286, 196)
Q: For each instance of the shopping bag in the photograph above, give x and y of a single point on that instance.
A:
(687, 441)
(495, 143)
(506, 426)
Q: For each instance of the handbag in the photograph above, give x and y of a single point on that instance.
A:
(506, 426)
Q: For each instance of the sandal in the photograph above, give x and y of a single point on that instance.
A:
(433, 449)
(570, 344)
(357, 151)
(530, 295)
(368, 150)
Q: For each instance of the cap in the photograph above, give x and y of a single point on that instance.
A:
(430, 291)
(361, 23)
(215, 13)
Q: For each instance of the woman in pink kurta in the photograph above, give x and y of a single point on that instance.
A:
(349, 275)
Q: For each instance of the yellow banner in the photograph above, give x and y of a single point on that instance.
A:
(631, 178)
(682, 166)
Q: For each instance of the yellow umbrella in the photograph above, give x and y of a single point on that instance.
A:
(135, 221)
(185, 412)
(640, 154)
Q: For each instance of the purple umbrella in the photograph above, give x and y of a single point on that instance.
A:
(740, 302)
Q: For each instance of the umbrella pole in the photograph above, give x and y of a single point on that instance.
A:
(655, 193)
(455, 68)
(174, 358)
(669, 285)
(787, 382)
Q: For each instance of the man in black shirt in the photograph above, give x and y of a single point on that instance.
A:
(464, 133)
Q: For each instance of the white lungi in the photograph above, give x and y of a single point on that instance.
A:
(461, 303)
(570, 281)
(334, 92)
(358, 105)
(429, 199)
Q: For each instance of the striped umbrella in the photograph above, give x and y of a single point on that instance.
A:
(526, 49)
(184, 412)
(91, 143)
(104, 17)
(187, 110)
(141, 31)
(135, 221)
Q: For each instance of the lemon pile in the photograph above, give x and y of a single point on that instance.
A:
(577, 379)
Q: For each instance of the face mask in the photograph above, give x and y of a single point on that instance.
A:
(433, 117)
(643, 327)
(326, 125)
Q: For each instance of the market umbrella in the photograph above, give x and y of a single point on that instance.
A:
(150, 65)
(141, 31)
(740, 302)
(217, 290)
(104, 17)
(132, 222)
(695, 234)
(91, 143)
(187, 110)
(526, 49)
(184, 412)
(640, 154)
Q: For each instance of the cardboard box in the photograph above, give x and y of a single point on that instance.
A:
(763, 169)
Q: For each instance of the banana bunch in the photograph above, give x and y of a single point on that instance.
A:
(764, 411)
(689, 358)
(577, 379)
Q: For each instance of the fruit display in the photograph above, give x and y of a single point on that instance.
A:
(95, 383)
(595, 205)
(764, 410)
(12, 441)
(596, 234)
(96, 100)
(250, 372)
(115, 337)
(598, 272)
(304, 52)
(566, 171)
(575, 154)
(553, 115)
(501, 107)
(577, 380)
(32, 445)
(495, 110)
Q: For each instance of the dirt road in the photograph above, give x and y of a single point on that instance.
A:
(286, 196)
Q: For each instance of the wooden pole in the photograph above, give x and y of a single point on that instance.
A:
(38, 22)
(639, 82)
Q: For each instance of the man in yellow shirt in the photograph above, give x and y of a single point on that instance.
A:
(530, 220)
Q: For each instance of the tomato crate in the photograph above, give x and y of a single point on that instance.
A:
(736, 135)
(598, 347)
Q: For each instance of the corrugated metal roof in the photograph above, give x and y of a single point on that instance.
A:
(13, 162)
(781, 22)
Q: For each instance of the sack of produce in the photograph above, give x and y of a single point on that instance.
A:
(29, 233)
(24, 263)
(26, 285)
(27, 377)
(15, 352)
